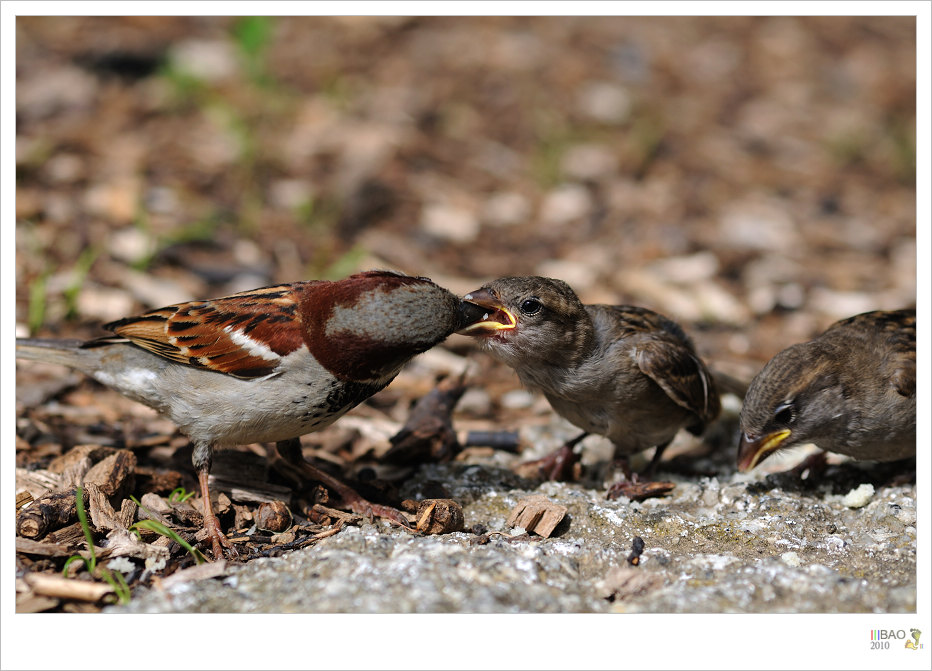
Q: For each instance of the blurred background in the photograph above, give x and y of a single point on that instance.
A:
(752, 178)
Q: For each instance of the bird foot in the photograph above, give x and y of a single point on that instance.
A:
(218, 539)
(812, 466)
(286, 457)
(560, 465)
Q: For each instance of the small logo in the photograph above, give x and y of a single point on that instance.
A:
(881, 639)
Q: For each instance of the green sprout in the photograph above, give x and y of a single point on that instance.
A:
(114, 578)
(179, 495)
(37, 303)
(81, 268)
(253, 35)
(161, 529)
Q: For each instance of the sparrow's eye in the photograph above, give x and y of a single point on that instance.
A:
(785, 413)
(531, 306)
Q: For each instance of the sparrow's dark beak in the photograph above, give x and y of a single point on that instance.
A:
(754, 449)
(495, 316)
(467, 314)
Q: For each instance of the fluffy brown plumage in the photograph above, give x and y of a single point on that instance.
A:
(266, 365)
(623, 372)
(852, 390)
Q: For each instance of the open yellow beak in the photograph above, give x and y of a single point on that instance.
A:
(498, 317)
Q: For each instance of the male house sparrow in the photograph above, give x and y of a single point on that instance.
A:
(852, 390)
(623, 372)
(267, 365)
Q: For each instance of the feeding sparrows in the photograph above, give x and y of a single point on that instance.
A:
(623, 372)
(851, 390)
(267, 365)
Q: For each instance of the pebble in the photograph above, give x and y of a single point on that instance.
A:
(566, 203)
(506, 208)
(791, 559)
(451, 223)
(589, 162)
(517, 399)
(211, 60)
(859, 497)
(758, 225)
(605, 102)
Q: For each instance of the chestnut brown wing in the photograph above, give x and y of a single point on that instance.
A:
(244, 335)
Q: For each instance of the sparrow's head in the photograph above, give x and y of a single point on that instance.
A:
(367, 326)
(795, 399)
(530, 319)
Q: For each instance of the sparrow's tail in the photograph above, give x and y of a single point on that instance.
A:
(64, 352)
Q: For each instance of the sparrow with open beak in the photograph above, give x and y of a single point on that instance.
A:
(623, 372)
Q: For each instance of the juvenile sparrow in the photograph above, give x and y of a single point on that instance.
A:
(852, 390)
(623, 372)
(267, 365)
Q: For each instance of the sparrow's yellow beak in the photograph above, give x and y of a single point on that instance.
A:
(497, 317)
(752, 449)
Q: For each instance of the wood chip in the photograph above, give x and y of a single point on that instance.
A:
(436, 516)
(42, 548)
(323, 515)
(37, 482)
(46, 584)
(35, 604)
(638, 491)
(103, 516)
(49, 512)
(78, 453)
(537, 513)
(114, 473)
(71, 536)
(22, 498)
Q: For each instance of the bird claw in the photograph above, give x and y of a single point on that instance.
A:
(558, 466)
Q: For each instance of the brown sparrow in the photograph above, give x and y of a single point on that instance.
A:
(267, 365)
(623, 372)
(852, 390)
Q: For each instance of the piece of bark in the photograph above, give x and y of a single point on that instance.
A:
(37, 482)
(323, 515)
(32, 603)
(46, 584)
(639, 491)
(47, 513)
(428, 434)
(114, 474)
(74, 474)
(22, 498)
(78, 453)
(127, 514)
(437, 516)
(103, 516)
(537, 513)
(157, 481)
(71, 536)
(42, 548)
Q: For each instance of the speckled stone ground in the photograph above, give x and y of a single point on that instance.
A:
(844, 542)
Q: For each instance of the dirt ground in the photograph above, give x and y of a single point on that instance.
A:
(752, 178)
